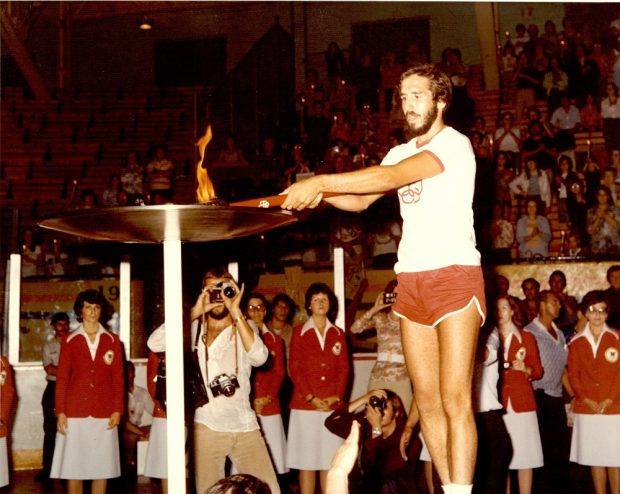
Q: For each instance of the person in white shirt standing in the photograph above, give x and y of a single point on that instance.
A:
(440, 289)
(227, 349)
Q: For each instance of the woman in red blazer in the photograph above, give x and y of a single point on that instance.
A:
(7, 396)
(319, 369)
(521, 364)
(594, 374)
(267, 381)
(89, 399)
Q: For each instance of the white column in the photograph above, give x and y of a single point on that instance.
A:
(125, 307)
(15, 280)
(173, 304)
(339, 285)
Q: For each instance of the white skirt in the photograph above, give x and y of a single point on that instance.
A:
(525, 437)
(88, 450)
(596, 440)
(311, 446)
(273, 431)
(156, 461)
(425, 454)
(4, 463)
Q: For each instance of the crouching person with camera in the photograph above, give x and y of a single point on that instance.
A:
(226, 350)
(381, 467)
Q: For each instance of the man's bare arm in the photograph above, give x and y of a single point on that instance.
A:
(368, 182)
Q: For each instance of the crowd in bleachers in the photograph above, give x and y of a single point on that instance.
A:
(556, 88)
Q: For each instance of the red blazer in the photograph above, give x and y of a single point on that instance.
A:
(7, 394)
(87, 387)
(151, 375)
(268, 378)
(516, 385)
(321, 372)
(595, 376)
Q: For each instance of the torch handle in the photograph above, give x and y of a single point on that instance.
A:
(269, 201)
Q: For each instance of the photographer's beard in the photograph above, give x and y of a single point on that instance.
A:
(219, 313)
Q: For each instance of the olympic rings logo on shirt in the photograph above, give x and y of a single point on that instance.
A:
(412, 193)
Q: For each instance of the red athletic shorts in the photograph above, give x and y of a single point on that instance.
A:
(428, 297)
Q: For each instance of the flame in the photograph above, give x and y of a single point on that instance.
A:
(205, 191)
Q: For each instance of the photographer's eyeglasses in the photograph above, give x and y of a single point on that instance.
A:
(256, 307)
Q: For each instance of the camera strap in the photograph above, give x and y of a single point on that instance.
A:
(203, 328)
(203, 324)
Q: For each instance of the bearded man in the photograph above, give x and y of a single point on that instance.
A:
(440, 288)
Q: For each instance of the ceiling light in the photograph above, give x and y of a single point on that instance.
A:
(145, 23)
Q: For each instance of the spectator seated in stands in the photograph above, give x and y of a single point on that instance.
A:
(132, 179)
(341, 127)
(298, 164)
(564, 178)
(366, 125)
(508, 136)
(539, 145)
(583, 75)
(532, 183)
(530, 304)
(574, 247)
(508, 64)
(577, 207)
(604, 224)
(566, 116)
(317, 128)
(528, 83)
(159, 173)
(499, 236)
(609, 180)
(32, 256)
(533, 232)
(591, 120)
(56, 259)
(367, 82)
(610, 112)
(231, 154)
(110, 195)
(520, 39)
(336, 64)
(503, 176)
(555, 84)
(381, 465)
(383, 239)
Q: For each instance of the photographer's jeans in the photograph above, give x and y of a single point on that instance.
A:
(247, 450)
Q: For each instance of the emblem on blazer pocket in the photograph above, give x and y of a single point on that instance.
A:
(521, 354)
(611, 355)
(2, 378)
(108, 358)
(337, 348)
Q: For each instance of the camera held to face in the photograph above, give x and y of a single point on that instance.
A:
(225, 288)
(378, 402)
(389, 297)
(224, 385)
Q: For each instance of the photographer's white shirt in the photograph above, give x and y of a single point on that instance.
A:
(229, 413)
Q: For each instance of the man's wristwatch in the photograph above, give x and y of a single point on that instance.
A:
(376, 432)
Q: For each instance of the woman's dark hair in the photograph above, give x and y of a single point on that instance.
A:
(263, 299)
(91, 296)
(605, 189)
(322, 288)
(593, 297)
(400, 414)
(517, 315)
(292, 306)
(241, 483)
(391, 286)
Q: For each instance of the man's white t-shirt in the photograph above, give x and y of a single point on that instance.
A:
(438, 220)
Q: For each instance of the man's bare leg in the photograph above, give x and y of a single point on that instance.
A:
(421, 348)
(458, 335)
(440, 363)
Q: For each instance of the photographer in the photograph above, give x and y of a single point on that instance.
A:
(380, 466)
(227, 349)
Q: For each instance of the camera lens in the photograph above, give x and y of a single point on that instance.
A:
(229, 291)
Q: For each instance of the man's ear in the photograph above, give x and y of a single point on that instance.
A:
(441, 105)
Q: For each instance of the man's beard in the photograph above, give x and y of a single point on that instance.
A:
(219, 316)
(428, 119)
